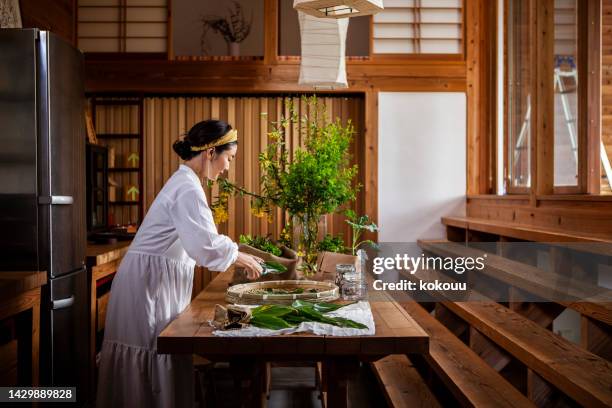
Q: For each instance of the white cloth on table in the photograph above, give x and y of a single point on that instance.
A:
(359, 312)
(152, 286)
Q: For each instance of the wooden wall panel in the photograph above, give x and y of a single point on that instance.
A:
(586, 216)
(57, 16)
(196, 77)
(167, 118)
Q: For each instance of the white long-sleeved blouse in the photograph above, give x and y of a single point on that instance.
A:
(180, 211)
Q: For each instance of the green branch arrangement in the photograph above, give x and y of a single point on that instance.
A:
(317, 181)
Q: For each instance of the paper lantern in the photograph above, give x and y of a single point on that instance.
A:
(338, 8)
(323, 47)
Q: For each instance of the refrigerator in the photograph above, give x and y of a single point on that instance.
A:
(42, 192)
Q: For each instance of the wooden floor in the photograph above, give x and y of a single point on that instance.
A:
(294, 387)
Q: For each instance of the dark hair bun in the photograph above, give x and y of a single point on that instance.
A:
(202, 133)
(183, 149)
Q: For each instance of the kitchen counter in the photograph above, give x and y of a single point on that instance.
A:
(20, 302)
(15, 283)
(99, 254)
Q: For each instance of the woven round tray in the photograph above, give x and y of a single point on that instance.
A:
(239, 294)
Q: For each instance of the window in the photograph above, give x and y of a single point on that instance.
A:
(552, 97)
(419, 27)
(566, 85)
(218, 30)
(520, 76)
(122, 25)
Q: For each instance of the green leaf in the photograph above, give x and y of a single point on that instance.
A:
(269, 322)
(342, 322)
(273, 310)
(274, 267)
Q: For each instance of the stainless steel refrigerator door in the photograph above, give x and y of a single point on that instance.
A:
(65, 354)
(62, 165)
(18, 122)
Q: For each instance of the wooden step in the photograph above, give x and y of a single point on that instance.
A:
(402, 384)
(581, 375)
(575, 293)
(471, 381)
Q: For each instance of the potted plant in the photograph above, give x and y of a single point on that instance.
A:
(332, 250)
(234, 29)
(359, 225)
(270, 251)
(317, 181)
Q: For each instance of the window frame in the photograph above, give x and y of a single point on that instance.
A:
(508, 187)
(401, 58)
(542, 143)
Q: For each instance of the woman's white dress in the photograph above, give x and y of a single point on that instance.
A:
(152, 286)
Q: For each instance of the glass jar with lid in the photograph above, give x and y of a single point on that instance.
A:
(341, 271)
(353, 287)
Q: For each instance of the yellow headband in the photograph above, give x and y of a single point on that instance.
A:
(229, 137)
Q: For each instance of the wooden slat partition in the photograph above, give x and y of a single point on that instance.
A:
(166, 119)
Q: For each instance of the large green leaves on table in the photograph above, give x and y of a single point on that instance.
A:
(278, 317)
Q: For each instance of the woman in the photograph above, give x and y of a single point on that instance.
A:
(154, 281)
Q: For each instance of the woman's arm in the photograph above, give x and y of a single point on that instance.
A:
(198, 234)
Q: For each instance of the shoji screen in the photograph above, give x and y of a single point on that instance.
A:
(122, 25)
(419, 27)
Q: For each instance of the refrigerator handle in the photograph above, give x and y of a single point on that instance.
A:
(56, 200)
(62, 303)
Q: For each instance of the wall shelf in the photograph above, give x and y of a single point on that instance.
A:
(119, 126)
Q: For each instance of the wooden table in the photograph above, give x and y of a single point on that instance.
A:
(396, 333)
(20, 298)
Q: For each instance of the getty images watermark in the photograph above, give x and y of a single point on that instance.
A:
(403, 263)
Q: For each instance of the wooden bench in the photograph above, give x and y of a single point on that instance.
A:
(534, 280)
(470, 380)
(581, 375)
(460, 229)
(402, 384)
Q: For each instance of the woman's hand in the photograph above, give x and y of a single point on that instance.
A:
(250, 263)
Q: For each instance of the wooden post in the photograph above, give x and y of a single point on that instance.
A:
(339, 372)
(594, 112)
(474, 103)
(481, 46)
(36, 338)
(596, 337)
(370, 159)
(169, 38)
(490, 352)
(544, 101)
(539, 391)
(271, 31)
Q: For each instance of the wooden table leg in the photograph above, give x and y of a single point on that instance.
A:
(35, 340)
(337, 375)
(250, 377)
